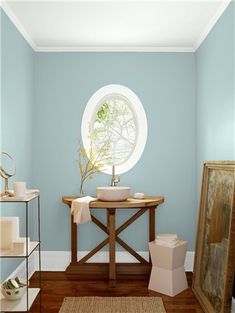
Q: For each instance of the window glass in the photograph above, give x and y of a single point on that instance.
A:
(115, 125)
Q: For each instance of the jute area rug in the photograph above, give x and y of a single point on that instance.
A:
(112, 305)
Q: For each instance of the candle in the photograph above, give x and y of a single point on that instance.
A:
(19, 189)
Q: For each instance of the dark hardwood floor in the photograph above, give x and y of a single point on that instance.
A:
(56, 286)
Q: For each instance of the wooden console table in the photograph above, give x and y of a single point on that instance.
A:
(81, 269)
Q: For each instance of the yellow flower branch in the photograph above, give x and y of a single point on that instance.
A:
(91, 162)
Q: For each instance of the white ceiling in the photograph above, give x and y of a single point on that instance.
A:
(84, 25)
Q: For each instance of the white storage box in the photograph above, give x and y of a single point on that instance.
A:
(9, 231)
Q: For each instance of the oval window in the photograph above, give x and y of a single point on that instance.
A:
(115, 125)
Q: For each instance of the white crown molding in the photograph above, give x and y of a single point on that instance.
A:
(114, 49)
(141, 1)
(211, 24)
(36, 48)
(18, 25)
(24, 33)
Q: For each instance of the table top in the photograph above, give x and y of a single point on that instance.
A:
(148, 201)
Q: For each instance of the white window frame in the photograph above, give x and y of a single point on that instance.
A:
(139, 114)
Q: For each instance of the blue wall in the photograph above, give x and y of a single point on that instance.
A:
(164, 82)
(215, 70)
(17, 98)
(17, 81)
(189, 103)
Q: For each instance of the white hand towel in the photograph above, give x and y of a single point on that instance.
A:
(80, 209)
(167, 236)
(166, 243)
(168, 240)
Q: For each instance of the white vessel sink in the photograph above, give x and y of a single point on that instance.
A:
(113, 193)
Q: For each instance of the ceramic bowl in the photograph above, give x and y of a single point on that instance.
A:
(116, 193)
(13, 294)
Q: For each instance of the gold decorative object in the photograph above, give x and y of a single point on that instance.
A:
(7, 170)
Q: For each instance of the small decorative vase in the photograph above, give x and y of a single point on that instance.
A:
(81, 190)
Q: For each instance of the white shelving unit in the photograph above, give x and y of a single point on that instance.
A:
(24, 304)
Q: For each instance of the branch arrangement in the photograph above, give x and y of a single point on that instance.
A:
(91, 162)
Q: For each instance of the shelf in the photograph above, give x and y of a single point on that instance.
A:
(10, 253)
(30, 195)
(21, 304)
(31, 293)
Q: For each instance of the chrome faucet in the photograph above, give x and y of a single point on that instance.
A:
(115, 179)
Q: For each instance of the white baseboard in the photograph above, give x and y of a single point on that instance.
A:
(189, 261)
(233, 305)
(59, 260)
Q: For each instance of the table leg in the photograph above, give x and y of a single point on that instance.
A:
(112, 234)
(73, 241)
(151, 226)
